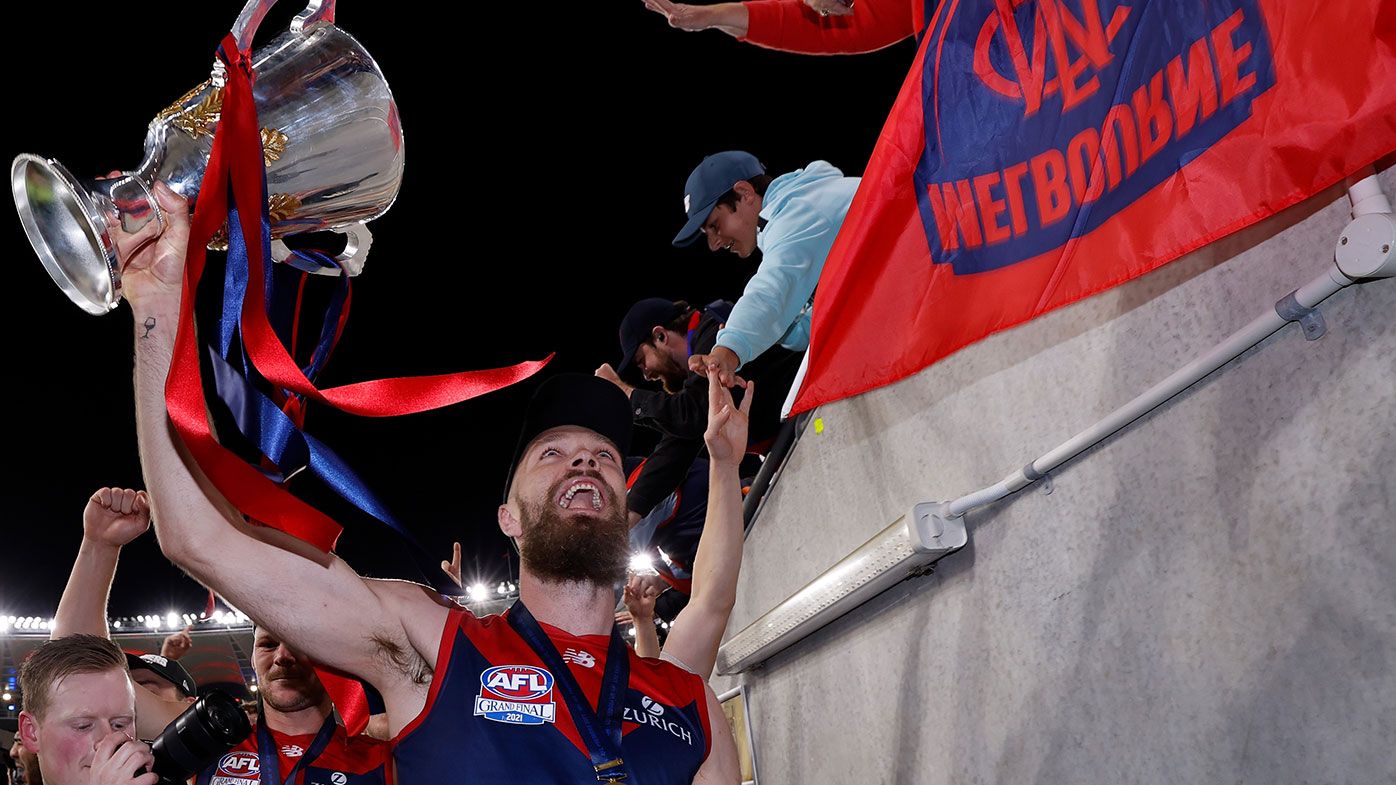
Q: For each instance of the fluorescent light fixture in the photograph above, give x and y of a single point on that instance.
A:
(909, 544)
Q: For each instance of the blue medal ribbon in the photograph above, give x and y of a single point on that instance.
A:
(270, 760)
(260, 420)
(600, 728)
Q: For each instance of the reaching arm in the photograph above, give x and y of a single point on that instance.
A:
(332, 615)
(697, 631)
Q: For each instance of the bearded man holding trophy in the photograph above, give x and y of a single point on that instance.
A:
(303, 135)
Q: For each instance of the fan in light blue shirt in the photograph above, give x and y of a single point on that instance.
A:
(792, 218)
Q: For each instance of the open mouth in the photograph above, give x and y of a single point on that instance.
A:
(581, 495)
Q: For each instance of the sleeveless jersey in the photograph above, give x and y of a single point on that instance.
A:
(494, 717)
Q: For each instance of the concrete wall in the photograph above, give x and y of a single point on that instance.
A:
(1207, 597)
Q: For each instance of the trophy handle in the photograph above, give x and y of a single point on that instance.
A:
(316, 13)
(360, 239)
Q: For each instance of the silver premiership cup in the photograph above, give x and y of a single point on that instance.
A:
(331, 141)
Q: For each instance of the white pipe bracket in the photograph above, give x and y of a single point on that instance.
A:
(1310, 319)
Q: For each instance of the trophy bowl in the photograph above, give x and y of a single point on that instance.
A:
(332, 145)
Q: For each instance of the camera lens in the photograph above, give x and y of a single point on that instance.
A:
(199, 737)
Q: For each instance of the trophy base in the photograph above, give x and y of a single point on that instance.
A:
(68, 232)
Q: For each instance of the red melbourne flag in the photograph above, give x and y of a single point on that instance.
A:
(1041, 151)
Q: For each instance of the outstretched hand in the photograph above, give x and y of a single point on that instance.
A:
(452, 567)
(721, 359)
(681, 15)
(726, 435)
(176, 644)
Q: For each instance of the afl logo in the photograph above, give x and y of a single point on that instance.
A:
(238, 764)
(517, 682)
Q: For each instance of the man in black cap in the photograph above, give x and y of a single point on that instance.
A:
(668, 492)
(658, 339)
(732, 203)
(162, 676)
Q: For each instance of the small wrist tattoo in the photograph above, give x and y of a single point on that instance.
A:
(148, 324)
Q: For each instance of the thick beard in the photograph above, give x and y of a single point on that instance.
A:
(559, 546)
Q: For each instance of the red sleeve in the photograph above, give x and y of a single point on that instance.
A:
(792, 26)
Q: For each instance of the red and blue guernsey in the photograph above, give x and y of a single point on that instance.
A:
(329, 757)
(498, 714)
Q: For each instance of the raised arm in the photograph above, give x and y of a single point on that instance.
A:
(314, 602)
(697, 631)
(113, 518)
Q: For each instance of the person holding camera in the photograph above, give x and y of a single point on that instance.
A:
(79, 714)
(296, 735)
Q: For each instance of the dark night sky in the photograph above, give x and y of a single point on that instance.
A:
(545, 166)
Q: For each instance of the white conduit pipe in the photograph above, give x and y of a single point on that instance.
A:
(1367, 198)
(1367, 250)
(1260, 328)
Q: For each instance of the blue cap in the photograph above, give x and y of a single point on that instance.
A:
(714, 177)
